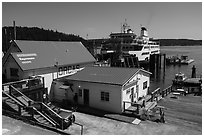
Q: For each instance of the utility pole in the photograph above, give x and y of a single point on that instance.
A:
(14, 26)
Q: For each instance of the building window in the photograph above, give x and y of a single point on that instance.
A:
(14, 72)
(128, 91)
(80, 92)
(104, 96)
(145, 85)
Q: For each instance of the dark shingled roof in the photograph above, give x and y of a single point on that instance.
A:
(110, 75)
(42, 54)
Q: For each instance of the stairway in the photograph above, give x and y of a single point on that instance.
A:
(20, 106)
(38, 111)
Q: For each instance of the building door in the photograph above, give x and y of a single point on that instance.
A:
(86, 97)
(132, 94)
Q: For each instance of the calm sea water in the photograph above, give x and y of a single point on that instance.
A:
(164, 79)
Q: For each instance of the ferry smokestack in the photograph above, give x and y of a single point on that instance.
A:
(144, 32)
(14, 26)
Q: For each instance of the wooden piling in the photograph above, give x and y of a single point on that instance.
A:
(155, 61)
(160, 59)
(164, 62)
(151, 62)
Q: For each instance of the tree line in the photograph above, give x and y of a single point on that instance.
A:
(36, 34)
(179, 42)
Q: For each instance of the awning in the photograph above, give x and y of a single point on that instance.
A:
(64, 87)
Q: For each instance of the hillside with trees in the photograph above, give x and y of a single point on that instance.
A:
(179, 42)
(36, 34)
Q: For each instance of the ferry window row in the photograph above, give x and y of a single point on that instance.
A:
(154, 46)
(146, 47)
(145, 53)
(154, 51)
(135, 48)
(114, 37)
(131, 41)
(153, 43)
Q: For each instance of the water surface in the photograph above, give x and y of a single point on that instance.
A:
(163, 79)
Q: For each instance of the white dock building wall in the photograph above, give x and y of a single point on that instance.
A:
(135, 87)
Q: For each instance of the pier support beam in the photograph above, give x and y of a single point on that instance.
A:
(155, 61)
(164, 62)
(160, 59)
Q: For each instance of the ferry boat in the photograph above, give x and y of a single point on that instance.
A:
(127, 42)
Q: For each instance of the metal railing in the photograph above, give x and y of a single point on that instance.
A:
(33, 109)
(25, 84)
(12, 96)
(22, 95)
(158, 93)
(56, 117)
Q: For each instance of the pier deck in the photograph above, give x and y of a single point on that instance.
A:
(186, 111)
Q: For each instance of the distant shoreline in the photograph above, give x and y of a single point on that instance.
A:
(179, 42)
(178, 45)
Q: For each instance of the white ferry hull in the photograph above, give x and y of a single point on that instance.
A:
(144, 54)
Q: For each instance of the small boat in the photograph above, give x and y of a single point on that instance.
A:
(179, 79)
(172, 60)
(185, 60)
(176, 60)
(179, 92)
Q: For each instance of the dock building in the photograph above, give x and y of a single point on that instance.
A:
(104, 88)
(49, 59)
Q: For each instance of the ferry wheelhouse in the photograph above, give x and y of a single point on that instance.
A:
(128, 42)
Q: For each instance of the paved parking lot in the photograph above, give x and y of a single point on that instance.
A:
(103, 126)
(183, 117)
(12, 126)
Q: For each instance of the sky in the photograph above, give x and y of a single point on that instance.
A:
(164, 20)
